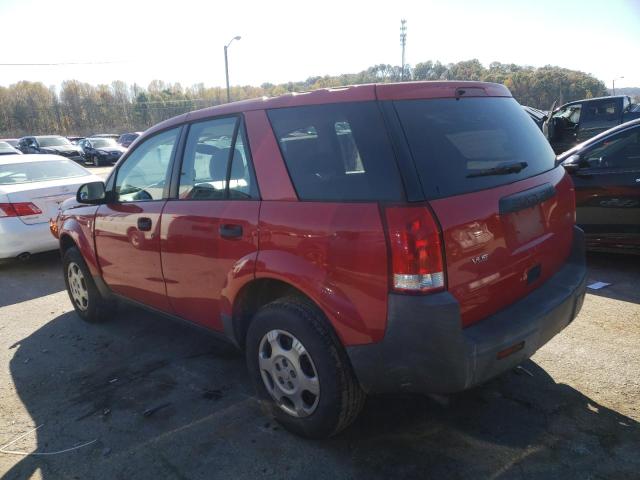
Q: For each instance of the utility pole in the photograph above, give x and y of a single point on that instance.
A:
(614, 84)
(403, 43)
(226, 66)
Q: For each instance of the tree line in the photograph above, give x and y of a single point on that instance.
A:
(78, 108)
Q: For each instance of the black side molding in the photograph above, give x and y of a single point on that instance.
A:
(526, 199)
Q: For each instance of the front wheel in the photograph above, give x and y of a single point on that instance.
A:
(87, 301)
(96, 161)
(300, 370)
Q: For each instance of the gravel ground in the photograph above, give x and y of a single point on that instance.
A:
(161, 400)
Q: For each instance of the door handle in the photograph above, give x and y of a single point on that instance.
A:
(230, 230)
(144, 224)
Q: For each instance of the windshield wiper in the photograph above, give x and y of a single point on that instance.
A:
(501, 170)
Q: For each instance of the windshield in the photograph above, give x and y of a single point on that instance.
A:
(13, 173)
(5, 145)
(52, 141)
(103, 142)
(470, 144)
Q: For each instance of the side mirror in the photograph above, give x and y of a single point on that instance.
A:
(572, 163)
(92, 193)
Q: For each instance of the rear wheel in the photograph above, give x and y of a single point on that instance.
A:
(300, 370)
(87, 301)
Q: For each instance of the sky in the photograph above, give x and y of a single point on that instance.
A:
(182, 41)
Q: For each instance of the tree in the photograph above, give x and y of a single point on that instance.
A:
(80, 108)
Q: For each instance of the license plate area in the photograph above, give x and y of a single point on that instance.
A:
(523, 226)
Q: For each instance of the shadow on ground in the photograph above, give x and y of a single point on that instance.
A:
(164, 401)
(622, 271)
(25, 280)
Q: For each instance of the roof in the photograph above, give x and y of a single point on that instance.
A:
(352, 93)
(585, 100)
(29, 157)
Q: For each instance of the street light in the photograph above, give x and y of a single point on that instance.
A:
(226, 66)
(614, 84)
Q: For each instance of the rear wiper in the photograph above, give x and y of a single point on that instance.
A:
(501, 170)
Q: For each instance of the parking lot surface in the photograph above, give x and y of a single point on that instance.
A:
(143, 397)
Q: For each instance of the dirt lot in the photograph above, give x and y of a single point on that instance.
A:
(160, 400)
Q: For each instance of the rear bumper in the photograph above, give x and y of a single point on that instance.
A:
(426, 350)
(16, 237)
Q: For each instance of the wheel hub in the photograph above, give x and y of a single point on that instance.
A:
(288, 373)
(77, 286)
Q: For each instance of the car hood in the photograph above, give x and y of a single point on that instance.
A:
(115, 148)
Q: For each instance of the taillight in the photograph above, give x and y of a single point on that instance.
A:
(21, 209)
(416, 250)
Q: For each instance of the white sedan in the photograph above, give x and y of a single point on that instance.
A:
(31, 188)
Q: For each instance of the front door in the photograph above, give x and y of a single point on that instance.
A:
(127, 230)
(209, 232)
(566, 123)
(608, 188)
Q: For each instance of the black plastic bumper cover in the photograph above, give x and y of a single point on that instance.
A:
(426, 350)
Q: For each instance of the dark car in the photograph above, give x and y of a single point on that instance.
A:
(538, 116)
(375, 238)
(101, 151)
(127, 139)
(576, 122)
(51, 144)
(606, 175)
(7, 149)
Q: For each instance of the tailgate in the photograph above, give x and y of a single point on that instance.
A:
(506, 211)
(502, 243)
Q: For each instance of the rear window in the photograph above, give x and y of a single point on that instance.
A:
(471, 144)
(337, 152)
(13, 173)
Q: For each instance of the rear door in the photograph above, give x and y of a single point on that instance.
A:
(127, 230)
(608, 188)
(506, 213)
(598, 116)
(209, 231)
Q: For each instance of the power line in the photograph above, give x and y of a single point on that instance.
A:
(57, 64)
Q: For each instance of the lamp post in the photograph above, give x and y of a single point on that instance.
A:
(226, 66)
(614, 84)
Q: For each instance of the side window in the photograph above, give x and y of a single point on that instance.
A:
(599, 112)
(619, 151)
(205, 168)
(143, 175)
(337, 152)
(242, 183)
(570, 115)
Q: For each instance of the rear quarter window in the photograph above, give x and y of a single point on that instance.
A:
(455, 142)
(337, 152)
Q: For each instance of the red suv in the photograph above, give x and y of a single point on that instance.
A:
(374, 238)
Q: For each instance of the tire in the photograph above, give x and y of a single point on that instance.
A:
(324, 364)
(96, 161)
(85, 297)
